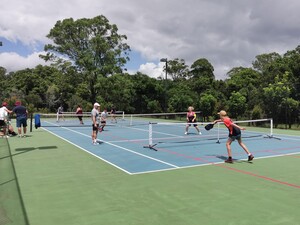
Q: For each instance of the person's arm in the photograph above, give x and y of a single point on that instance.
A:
(217, 121)
(7, 110)
(237, 126)
(195, 116)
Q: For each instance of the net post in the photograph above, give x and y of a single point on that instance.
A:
(271, 131)
(218, 141)
(150, 140)
(131, 118)
(123, 116)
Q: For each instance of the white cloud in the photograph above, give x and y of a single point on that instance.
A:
(152, 70)
(13, 62)
(227, 33)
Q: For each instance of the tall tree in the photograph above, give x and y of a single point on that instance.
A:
(177, 69)
(202, 68)
(93, 46)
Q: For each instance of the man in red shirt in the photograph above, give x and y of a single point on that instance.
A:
(234, 134)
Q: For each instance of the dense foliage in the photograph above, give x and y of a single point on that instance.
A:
(91, 71)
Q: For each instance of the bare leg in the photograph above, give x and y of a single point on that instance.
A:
(186, 129)
(243, 146)
(228, 146)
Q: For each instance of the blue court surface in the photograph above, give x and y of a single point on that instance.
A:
(125, 147)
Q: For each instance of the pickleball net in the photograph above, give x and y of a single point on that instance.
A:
(173, 134)
(122, 119)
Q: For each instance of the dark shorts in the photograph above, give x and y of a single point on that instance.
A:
(95, 128)
(194, 123)
(80, 118)
(2, 123)
(103, 122)
(21, 122)
(233, 138)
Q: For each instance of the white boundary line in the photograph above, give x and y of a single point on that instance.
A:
(154, 171)
(117, 146)
(88, 152)
(213, 163)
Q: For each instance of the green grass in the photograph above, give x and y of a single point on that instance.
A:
(63, 185)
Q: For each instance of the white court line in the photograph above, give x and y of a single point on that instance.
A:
(213, 163)
(120, 168)
(117, 146)
(160, 170)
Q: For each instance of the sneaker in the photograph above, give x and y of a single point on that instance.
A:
(250, 157)
(200, 133)
(229, 160)
(185, 132)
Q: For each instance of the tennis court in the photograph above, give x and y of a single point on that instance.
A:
(181, 179)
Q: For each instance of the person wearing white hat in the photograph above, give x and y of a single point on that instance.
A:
(234, 134)
(95, 121)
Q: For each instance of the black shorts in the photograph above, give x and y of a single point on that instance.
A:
(95, 128)
(194, 123)
(235, 137)
(103, 122)
(2, 123)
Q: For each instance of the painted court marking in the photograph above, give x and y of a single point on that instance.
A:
(173, 167)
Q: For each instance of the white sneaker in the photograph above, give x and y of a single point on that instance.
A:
(200, 133)
(185, 132)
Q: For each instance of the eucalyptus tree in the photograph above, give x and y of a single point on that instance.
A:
(93, 46)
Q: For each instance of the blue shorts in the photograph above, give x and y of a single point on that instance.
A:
(21, 122)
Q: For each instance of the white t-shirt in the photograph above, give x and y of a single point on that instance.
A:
(103, 116)
(3, 113)
(95, 113)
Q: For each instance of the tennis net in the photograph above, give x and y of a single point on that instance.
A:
(12, 210)
(118, 119)
(175, 133)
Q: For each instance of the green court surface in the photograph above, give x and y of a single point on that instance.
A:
(63, 185)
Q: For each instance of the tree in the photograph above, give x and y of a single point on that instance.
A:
(207, 105)
(275, 97)
(263, 62)
(177, 69)
(237, 104)
(202, 68)
(93, 46)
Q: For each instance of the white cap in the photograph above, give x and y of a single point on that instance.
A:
(97, 104)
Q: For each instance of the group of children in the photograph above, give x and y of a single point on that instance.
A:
(234, 131)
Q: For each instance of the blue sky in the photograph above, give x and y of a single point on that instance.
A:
(229, 33)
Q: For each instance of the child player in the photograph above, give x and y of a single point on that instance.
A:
(234, 134)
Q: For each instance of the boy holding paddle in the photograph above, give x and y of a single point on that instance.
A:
(234, 134)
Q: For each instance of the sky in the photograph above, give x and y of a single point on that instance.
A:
(228, 33)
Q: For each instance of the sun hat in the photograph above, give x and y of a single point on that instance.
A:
(222, 113)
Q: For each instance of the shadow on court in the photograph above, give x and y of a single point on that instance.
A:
(25, 150)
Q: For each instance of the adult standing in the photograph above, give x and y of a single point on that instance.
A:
(113, 114)
(95, 120)
(60, 112)
(4, 118)
(79, 113)
(21, 115)
(103, 119)
(191, 119)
